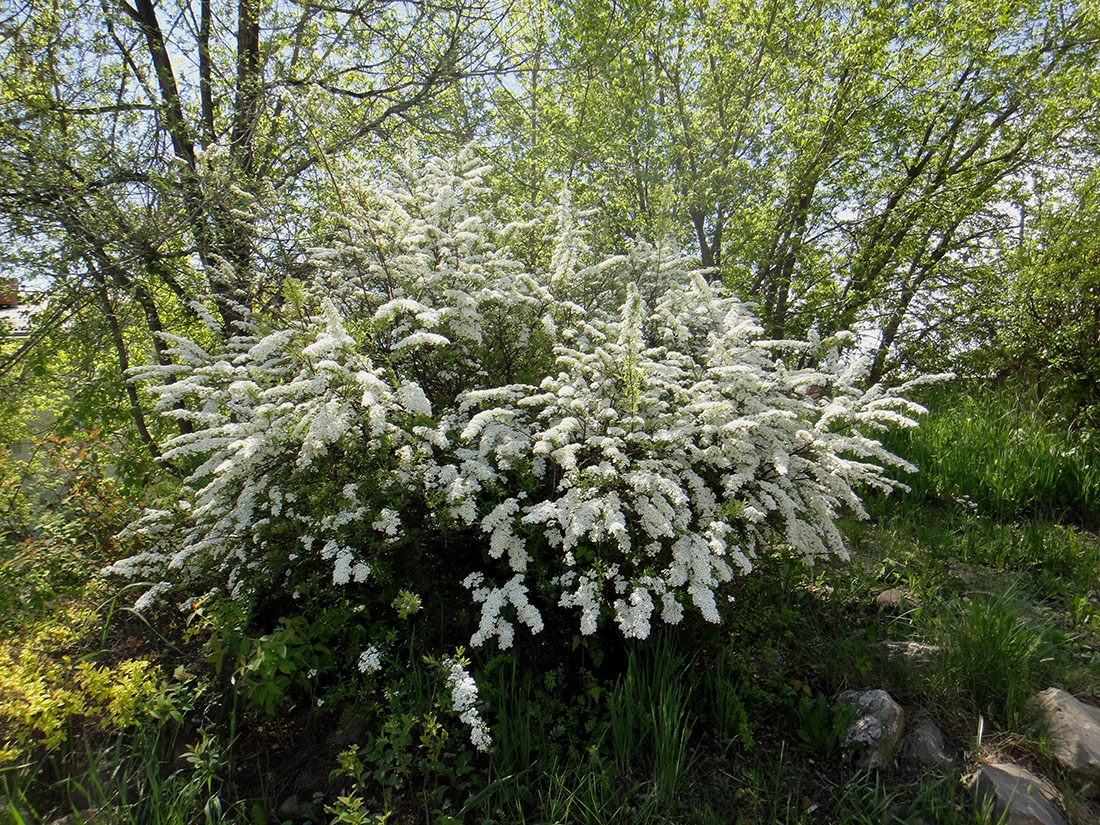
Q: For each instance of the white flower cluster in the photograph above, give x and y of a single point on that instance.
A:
(464, 701)
(493, 600)
(619, 431)
(370, 660)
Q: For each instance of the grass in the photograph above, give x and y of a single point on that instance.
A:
(729, 724)
(993, 449)
(743, 735)
(132, 780)
(992, 656)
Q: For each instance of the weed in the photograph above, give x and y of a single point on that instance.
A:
(822, 725)
(991, 656)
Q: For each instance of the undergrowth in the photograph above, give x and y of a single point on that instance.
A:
(217, 716)
(995, 449)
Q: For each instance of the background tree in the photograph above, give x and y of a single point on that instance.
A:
(839, 163)
(154, 156)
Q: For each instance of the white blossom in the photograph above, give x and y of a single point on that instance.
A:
(660, 445)
(464, 701)
(370, 660)
(388, 523)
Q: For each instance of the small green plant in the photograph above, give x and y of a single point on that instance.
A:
(265, 669)
(350, 808)
(822, 724)
(991, 656)
(1082, 612)
(730, 717)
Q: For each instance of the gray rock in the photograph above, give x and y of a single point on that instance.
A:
(925, 744)
(292, 809)
(877, 727)
(1074, 729)
(912, 651)
(89, 816)
(1016, 794)
(308, 782)
(345, 735)
(770, 663)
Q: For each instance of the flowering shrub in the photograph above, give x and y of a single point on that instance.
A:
(618, 433)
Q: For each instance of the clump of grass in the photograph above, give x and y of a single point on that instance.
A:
(650, 715)
(992, 657)
(590, 795)
(136, 778)
(995, 450)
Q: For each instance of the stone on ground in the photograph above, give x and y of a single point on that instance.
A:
(877, 727)
(1016, 794)
(912, 651)
(895, 600)
(1074, 729)
(925, 744)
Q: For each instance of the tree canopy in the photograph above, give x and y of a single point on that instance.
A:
(902, 169)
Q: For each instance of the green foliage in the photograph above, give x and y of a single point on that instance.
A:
(650, 714)
(822, 724)
(587, 740)
(835, 162)
(993, 448)
(727, 682)
(588, 794)
(55, 614)
(266, 669)
(410, 760)
(1050, 334)
(992, 657)
(44, 700)
(140, 779)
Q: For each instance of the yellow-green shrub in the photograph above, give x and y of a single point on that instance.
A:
(46, 695)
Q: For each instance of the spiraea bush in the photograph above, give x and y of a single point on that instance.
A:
(588, 441)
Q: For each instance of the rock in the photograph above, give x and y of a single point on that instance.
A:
(89, 816)
(292, 809)
(308, 782)
(925, 744)
(770, 663)
(912, 651)
(1016, 794)
(1074, 729)
(345, 735)
(895, 601)
(877, 726)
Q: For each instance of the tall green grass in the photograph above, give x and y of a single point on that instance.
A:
(650, 714)
(136, 779)
(993, 657)
(995, 449)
